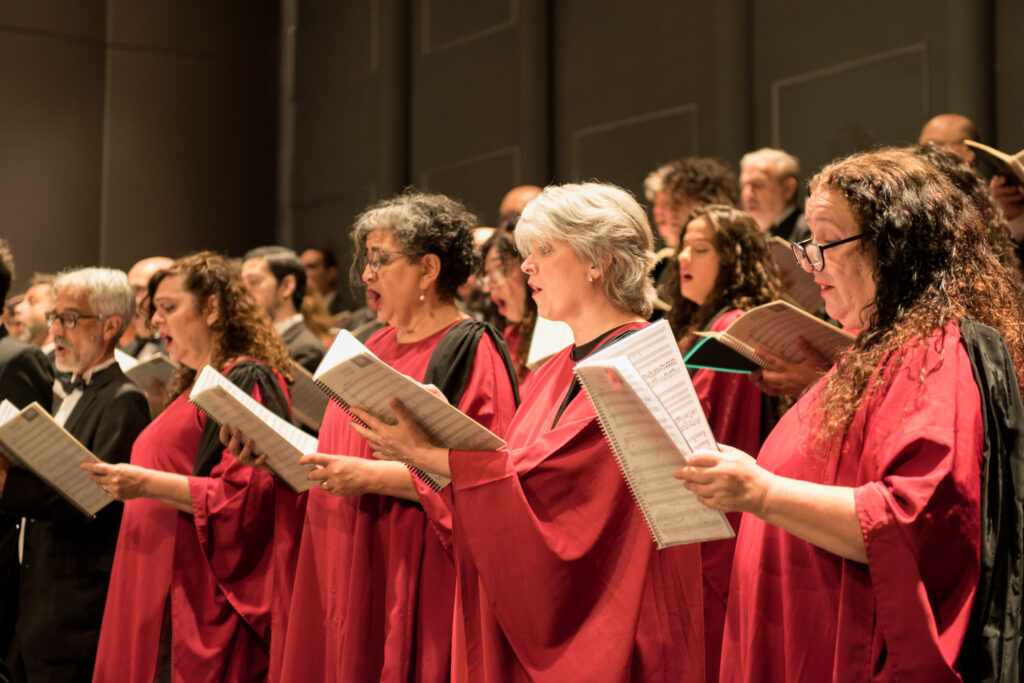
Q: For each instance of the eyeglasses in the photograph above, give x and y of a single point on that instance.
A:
(375, 261)
(68, 319)
(494, 278)
(814, 253)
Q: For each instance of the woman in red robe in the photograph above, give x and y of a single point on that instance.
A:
(199, 560)
(858, 558)
(375, 581)
(505, 281)
(558, 577)
(724, 268)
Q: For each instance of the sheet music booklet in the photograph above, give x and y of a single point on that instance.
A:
(353, 376)
(158, 367)
(283, 442)
(30, 438)
(653, 419)
(773, 327)
(308, 400)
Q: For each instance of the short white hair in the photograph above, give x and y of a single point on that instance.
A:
(785, 165)
(109, 291)
(598, 221)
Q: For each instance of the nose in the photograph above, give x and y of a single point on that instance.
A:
(528, 266)
(368, 274)
(684, 256)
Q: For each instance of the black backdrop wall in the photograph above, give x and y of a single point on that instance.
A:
(129, 129)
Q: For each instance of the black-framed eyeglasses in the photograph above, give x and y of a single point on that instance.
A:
(378, 258)
(68, 319)
(814, 253)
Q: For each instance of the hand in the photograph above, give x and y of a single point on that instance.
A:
(435, 391)
(727, 480)
(1009, 196)
(784, 377)
(403, 441)
(121, 481)
(342, 475)
(240, 447)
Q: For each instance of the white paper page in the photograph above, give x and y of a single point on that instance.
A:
(549, 337)
(653, 352)
(158, 367)
(775, 327)
(631, 415)
(49, 451)
(283, 442)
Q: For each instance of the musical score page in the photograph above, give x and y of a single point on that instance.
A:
(775, 327)
(37, 443)
(283, 442)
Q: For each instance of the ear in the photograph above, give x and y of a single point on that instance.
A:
(211, 311)
(430, 265)
(112, 327)
(599, 270)
(789, 189)
(286, 287)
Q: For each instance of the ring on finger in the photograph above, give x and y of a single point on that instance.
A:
(324, 485)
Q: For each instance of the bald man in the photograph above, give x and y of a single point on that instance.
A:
(138, 339)
(950, 130)
(514, 202)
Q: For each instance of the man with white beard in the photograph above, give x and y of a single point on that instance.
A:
(65, 558)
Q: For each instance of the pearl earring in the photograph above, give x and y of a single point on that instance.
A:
(422, 296)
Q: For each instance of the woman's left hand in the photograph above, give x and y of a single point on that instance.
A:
(121, 481)
(727, 480)
(403, 441)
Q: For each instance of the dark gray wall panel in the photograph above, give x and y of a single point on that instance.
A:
(51, 125)
(473, 181)
(1009, 76)
(84, 19)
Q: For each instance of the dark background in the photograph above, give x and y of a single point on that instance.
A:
(131, 128)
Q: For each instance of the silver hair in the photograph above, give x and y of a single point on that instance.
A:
(785, 165)
(601, 223)
(109, 292)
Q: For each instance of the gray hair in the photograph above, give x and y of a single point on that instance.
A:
(598, 221)
(109, 291)
(785, 165)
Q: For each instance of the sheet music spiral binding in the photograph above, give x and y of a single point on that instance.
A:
(627, 472)
(423, 476)
(742, 349)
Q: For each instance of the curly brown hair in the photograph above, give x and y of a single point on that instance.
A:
(747, 273)
(243, 329)
(934, 264)
(504, 244)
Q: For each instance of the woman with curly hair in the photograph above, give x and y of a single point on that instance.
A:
(858, 558)
(724, 269)
(375, 580)
(198, 561)
(505, 282)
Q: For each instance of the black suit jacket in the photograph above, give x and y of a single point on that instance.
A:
(303, 346)
(67, 557)
(25, 376)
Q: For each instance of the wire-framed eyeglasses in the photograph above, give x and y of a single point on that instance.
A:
(378, 258)
(814, 253)
(68, 319)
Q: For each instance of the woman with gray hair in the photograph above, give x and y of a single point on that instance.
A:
(583, 594)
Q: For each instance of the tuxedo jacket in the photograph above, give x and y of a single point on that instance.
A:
(303, 346)
(67, 557)
(25, 376)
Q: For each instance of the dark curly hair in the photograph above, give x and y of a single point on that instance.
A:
(747, 273)
(966, 179)
(934, 264)
(505, 244)
(704, 180)
(423, 224)
(243, 329)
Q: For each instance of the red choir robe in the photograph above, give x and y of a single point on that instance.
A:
(732, 405)
(375, 582)
(559, 579)
(215, 571)
(913, 456)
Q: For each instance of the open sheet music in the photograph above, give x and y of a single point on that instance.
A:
(773, 327)
(158, 367)
(798, 283)
(308, 400)
(283, 442)
(30, 438)
(653, 419)
(354, 376)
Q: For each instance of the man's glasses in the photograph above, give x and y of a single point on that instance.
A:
(814, 253)
(68, 319)
(378, 258)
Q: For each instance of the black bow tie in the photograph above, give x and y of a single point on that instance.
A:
(69, 383)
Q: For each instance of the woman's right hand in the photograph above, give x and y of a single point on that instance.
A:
(784, 377)
(240, 447)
